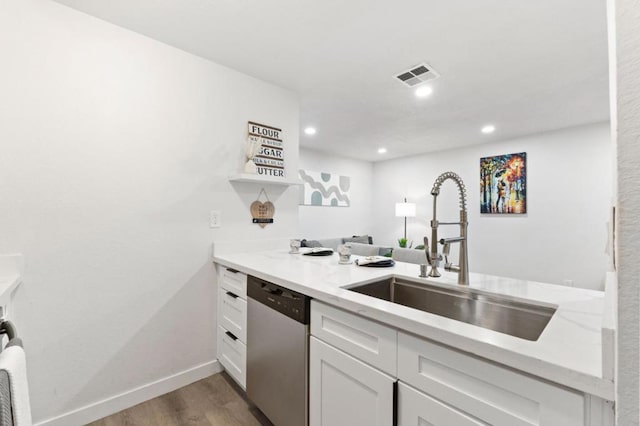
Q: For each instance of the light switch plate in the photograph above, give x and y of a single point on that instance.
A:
(215, 219)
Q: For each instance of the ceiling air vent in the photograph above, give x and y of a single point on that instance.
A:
(417, 75)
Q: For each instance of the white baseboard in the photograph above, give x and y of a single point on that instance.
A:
(100, 409)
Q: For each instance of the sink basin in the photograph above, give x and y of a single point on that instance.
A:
(519, 319)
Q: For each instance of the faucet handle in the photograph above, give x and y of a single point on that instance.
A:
(446, 247)
(426, 249)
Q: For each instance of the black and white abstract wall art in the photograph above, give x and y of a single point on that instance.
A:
(325, 189)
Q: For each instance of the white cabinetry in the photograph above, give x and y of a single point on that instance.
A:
(355, 361)
(345, 391)
(488, 392)
(347, 352)
(366, 340)
(233, 313)
(232, 323)
(419, 409)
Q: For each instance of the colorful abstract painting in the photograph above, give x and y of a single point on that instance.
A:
(325, 189)
(503, 184)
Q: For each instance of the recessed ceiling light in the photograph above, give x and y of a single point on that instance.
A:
(489, 128)
(310, 130)
(423, 91)
(382, 150)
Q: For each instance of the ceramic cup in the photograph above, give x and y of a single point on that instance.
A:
(345, 253)
(294, 246)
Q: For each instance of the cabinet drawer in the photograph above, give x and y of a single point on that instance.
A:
(232, 354)
(367, 340)
(233, 281)
(417, 408)
(494, 394)
(233, 314)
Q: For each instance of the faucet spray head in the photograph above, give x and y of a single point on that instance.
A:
(435, 190)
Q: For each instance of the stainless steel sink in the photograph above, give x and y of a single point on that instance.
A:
(519, 319)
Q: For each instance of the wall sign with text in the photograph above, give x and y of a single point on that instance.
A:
(269, 155)
(262, 212)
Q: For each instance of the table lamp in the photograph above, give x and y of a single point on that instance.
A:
(405, 210)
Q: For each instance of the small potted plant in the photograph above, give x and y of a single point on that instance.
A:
(402, 242)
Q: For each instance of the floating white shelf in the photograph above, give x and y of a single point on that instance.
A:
(245, 177)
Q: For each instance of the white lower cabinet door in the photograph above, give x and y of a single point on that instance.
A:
(344, 391)
(419, 409)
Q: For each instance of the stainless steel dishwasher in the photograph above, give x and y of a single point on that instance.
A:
(278, 352)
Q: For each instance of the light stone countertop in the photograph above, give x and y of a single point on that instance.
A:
(568, 352)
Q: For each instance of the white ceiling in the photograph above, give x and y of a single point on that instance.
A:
(525, 66)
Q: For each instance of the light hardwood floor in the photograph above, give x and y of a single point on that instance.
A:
(216, 400)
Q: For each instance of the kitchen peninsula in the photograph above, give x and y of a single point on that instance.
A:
(568, 353)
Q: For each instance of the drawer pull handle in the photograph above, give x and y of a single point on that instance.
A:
(230, 334)
(395, 403)
(235, 296)
(233, 271)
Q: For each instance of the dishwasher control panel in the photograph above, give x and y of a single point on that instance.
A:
(290, 303)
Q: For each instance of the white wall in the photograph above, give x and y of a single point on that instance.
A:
(327, 222)
(114, 148)
(562, 236)
(625, 76)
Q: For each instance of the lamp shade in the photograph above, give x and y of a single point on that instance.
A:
(405, 209)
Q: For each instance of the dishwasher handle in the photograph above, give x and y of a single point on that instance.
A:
(271, 290)
(288, 302)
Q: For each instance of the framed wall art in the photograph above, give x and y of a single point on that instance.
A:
(325, 189)
(503, 184)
